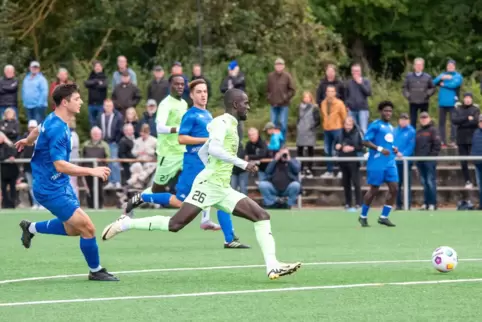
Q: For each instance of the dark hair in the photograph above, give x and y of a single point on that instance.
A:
(384, 104)
(145, 128)
(64, 92)
(332, 86)
(173, 76)
(196, 82)
(232, 95)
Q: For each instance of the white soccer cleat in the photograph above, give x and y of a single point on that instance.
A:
(209, 225)
(114, 228)
(283, 269)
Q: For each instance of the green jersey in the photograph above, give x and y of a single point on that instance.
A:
(169, 114)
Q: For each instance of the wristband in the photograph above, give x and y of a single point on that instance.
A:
(379, 149)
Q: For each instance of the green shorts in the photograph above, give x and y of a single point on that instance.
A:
(167, 168)
(210, 195)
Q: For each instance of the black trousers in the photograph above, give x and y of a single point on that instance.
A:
(301, 153)
(414, 108)
(442, 120)
(9, 198)
(90, 195)
(126, 172)
(465, 149)
(351, 177)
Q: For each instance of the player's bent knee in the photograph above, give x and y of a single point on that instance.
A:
(175, 226)
(262, 214)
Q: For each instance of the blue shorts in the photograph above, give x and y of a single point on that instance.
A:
(378, 177)
(61, 204)
(184, 185)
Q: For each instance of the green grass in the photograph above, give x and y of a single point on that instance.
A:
(308, 236)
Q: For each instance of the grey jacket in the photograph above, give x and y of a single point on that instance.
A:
(308, 122)
(418, 89)
(356, 95)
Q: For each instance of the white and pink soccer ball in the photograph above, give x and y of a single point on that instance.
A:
(444, 259)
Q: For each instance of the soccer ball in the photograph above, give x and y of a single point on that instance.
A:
(444, 259)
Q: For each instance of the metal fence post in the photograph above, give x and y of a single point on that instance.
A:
(96, 187)
(406, 190)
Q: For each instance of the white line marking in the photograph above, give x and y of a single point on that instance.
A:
(269, 290)
(210, 268)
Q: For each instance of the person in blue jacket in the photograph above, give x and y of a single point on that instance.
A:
(449, 83)
(405, 142)
(35, 93)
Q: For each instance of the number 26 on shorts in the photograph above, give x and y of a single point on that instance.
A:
(199, 196)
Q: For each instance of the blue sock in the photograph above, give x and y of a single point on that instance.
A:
(364, 211)
(91, 253)
(160, 198)
(386, 211)
(51, 227)
(226, 224)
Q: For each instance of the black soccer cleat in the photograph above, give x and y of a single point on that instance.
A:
(102, 276)
(363, 222)
(386, 222)
(133, 203)
(236, 244)
(26, 234)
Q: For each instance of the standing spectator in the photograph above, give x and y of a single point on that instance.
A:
(349, 144)
(306, 128)
(122, 68)
(197, 74)
(276, 138)
(282, 180)
(358, 89)
(27, 153)
(158, 88)
(126, 145)
(256, 150)
(62, 78)
(330, 80)
(239, 179)
(9, 172)
(449, 82)
(97, 87)
(149, 116)
(131, 118)
(280, 91)
(417, 89)
(94, 148)
(427, 143)
(8, 90)
(35, 92)
(176, 69)
(111, 122)
(405, 142)
(333, 112)
(466, 118)
(235, 78)
(126, 94)
(74, 153)
(477, 151)
(10, 125)
(145, 150)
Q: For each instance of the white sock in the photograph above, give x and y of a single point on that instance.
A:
(95, 270)
(148, 223)
(266, 242)
(32, 229)
(206, 215)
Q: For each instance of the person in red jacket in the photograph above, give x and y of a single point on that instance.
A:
(62, 78)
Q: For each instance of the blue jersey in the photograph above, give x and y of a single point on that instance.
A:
(53, 144)
(381, 134)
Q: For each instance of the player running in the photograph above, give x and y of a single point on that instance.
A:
(169, 152)
(212, 188)
(51, 186)
(381, 166)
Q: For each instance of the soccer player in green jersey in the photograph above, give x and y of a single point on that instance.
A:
(212, 188)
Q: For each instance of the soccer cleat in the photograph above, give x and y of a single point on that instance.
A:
(283, 270)
(26, 234)
(386, 222)
(133, 203)
(363, 222)
(236, 244)
(209, 225)
(114, 228)
(102, 276)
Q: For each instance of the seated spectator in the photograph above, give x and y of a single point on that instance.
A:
(131, 118)
(276, 138)
(256, 149)
(126, 145)
(97, 87)
(10, 125)
(427, 143)
(282, 180)
(126, 94)
(349, 144)
(405, 143)
(94, 148)
(27, 153)
(149, 116)
(62, 78)
(145, 150)
(477, 151)
(306, 128)
(239, 179)
(466, 118)
(9, 172)
(74, 153)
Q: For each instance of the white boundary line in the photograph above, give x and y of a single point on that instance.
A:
(211, 268)
(269, 290)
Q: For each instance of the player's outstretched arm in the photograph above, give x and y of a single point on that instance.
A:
(74, 170)
(29, 140)
(187, 139)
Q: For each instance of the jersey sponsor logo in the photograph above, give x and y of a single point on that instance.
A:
(389, 137)
(55, 176)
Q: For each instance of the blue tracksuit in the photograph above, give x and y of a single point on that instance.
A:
(405, 142)
(448, 94)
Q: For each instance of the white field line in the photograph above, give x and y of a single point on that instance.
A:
(210, 268)
(220, 293)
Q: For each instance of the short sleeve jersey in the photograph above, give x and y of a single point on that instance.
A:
(381, 134)
(170, 111)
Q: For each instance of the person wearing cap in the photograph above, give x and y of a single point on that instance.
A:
(121, 68)
(427, 143)
(149, 116)
(234, 79)
(35, 92)
(405, 142)
(466, 118)
(449, 82)
(8, 90)
(158, 88)
(477, 151)
(62, 78)
(357, 91)
(97, 88)
(280, 91)
(126, 94)
(27, 153)
(276, 138)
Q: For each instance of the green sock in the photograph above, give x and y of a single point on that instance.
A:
(149, 223)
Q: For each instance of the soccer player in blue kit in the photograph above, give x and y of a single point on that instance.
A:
(381, 166)
(51, 184)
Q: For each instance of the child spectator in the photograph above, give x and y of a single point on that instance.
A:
(131, 118)
(144, 149)
(306, 126)
(10, 125)
(276, 138)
